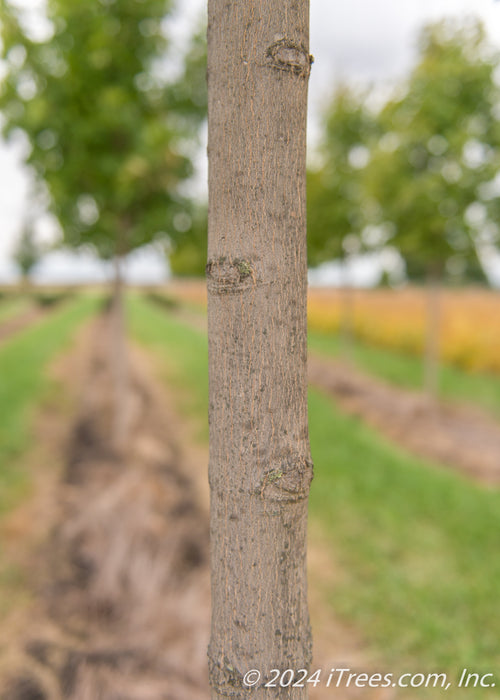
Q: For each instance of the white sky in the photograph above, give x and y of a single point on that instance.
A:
(364, 40)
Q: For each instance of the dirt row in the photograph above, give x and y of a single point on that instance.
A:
(460, 437)
(121, 606)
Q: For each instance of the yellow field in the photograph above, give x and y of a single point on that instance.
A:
(396, 319)
(470, 331)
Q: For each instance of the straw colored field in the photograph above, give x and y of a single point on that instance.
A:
(396, 320)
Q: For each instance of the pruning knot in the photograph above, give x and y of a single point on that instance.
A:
(229, 276)
(287, 56)
(288, 481)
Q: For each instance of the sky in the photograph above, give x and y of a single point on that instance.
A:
(351, 40)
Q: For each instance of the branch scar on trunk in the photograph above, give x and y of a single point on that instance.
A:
(289, 481)
(229, 276)
(288, 56)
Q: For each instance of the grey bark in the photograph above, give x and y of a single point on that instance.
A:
(260, 467)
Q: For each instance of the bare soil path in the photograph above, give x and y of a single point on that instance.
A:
(461, 437)
(122, 604)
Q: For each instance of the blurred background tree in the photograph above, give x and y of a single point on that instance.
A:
(110, 118)
(188, 251)
(437, 150)
(188, 245)
(336, 203)
(110, 130)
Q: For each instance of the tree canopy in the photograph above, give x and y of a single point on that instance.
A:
(437, 149)
(336, 203)
(108, 116)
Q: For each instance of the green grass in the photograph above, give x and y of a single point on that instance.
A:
(182, 352)
(24, 383)
(407, 371)
(417, 545)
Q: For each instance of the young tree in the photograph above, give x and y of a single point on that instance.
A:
(437, 150)
(98, 116)
(107, 126)
(260, 467)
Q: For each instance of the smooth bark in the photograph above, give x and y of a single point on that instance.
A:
(260, 467)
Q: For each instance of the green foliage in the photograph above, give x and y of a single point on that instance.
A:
(188, 255)
(188, 96)
(420, 172)
(107, 122)
(438, 147)
(336, 206)
(188, 244)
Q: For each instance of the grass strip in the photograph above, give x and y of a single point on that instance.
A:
(417, 547)
(24, 382)
(182, 352)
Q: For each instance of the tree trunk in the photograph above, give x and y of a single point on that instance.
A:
(24, 284)
(260, 467)
(433, 328)
(346, 321)
(118, 357)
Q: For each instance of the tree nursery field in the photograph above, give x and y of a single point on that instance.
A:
(387, 335)
(104, 579)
